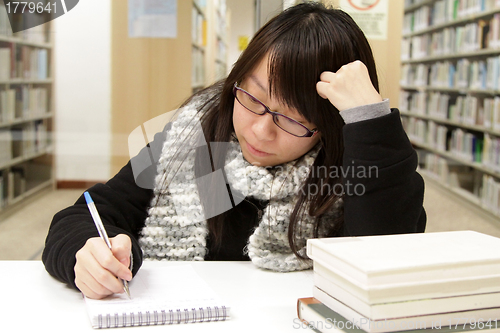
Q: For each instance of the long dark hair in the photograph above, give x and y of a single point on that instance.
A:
(301, 42)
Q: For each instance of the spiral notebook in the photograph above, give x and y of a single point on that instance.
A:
(160, 296)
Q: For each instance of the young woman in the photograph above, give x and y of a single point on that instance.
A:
(311, 150)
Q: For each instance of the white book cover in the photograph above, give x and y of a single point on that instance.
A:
(407, 291)
(408, 308)
(406, 258)
(433, 321)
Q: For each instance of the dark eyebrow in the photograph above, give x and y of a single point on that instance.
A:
(258, 83)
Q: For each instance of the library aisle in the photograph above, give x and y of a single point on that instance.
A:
(22, 234)
(447, 213)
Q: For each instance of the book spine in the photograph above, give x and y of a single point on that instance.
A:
(163, 317)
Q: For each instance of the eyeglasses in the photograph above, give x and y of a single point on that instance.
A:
(287, 124)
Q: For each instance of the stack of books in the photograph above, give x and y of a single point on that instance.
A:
(446, 280)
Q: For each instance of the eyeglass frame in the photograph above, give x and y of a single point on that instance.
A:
(274, 114)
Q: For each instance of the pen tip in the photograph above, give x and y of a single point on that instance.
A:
(125, 287)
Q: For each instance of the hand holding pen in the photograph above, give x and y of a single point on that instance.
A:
(101, 267)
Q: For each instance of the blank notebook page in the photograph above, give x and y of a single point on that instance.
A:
(164, 295)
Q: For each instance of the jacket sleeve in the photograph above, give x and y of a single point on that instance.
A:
(383, 192)
(122, 205)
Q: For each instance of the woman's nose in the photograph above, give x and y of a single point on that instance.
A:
(264, 127)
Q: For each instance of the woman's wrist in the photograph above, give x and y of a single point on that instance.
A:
(366, 112)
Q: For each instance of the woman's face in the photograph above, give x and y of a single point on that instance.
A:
(262, 142)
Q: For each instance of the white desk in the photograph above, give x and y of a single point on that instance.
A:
(260, 300)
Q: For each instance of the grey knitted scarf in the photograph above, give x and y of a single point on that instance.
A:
(176, 227)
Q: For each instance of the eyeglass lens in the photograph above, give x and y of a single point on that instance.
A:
(254, 105)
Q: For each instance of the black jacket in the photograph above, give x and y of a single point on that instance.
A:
(391, 202)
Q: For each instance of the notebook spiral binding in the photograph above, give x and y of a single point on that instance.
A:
(164, 317)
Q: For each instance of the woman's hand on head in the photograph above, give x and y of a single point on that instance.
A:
(97, 269)
(349, 87)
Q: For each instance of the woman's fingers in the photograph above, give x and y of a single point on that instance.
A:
(89, 286)
(121, 248)
(97, 269)
(349, 87)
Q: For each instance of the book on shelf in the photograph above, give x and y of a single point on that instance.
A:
(2, 194)
(7, 105)
(28, 62)
(5, 58)
(40, 59)
(437, 105)
(198, 68)
(467, 110)
(490, 194)
(37, 101)
(405, 49)
(478, 75)
(160, 296)
(492, 113)
(409, 322)
(16, 182)
(436, 167)
(436, 135)
(5, 145)
(492, 73)
(41, 137)
(455, 176)
(5, 28)
(444, 11)
(409, 258)
(23, 102)
(417, 130)
(494, 37)
(469, 37)
(28, 138)
(198, 27)
(466, 146)
(319, 317)
(491, 152)
(29, 27)
(496, 114)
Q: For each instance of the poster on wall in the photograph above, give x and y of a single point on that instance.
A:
(152, 18)
(370, 15)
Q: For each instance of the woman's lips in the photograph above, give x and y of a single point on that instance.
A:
(256, 152)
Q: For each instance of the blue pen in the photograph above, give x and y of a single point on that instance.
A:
(101, 230)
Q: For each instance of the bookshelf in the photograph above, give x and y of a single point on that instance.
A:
(26, 112)
(450, 95)
(199, 40)
(210, 36)
(209, 42)
(220, 39)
